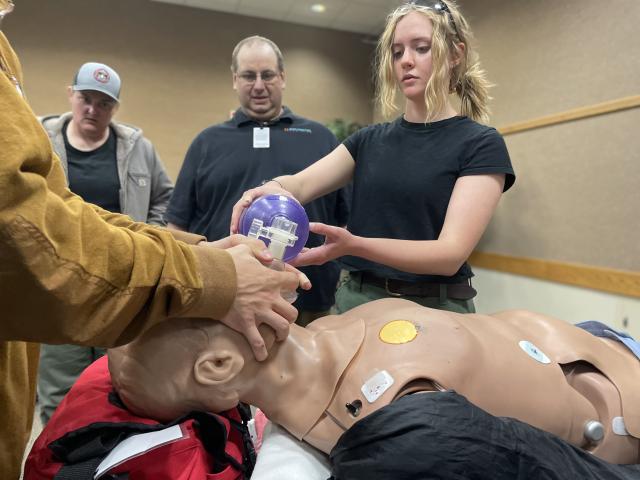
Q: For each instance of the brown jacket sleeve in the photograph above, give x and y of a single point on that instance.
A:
(68, 276)
(140, 227)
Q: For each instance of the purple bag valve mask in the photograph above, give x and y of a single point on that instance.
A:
(280, 221)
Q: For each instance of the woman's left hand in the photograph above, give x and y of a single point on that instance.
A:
(338, 242)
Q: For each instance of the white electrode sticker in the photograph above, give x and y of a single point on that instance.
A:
(618, 427)
(376, 386)
(534, 352)
(260, 137)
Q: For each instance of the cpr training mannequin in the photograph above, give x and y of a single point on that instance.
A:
(325, 378)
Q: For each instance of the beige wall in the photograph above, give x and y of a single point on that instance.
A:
(502, 291)
(174, 63)
(577, 196)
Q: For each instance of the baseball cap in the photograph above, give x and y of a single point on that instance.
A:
(99, 77)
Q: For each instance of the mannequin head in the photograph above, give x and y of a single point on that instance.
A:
(183, 365)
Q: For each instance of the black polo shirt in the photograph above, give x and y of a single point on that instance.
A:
(222, 163)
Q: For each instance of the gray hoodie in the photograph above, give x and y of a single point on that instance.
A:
(145, 188)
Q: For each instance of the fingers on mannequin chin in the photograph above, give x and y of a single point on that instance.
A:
(261, 354)
(279, 324)
(257, 343)
(258, 346)
(286, 310)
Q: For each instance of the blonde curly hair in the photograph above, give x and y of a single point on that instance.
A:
(467, 79)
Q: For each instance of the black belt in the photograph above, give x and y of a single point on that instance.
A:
(401, 288)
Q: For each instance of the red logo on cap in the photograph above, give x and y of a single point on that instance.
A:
(101, 75)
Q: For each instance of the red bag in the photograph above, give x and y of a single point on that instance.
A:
(91, 421)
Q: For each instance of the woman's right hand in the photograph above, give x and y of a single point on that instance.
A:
(269, 188)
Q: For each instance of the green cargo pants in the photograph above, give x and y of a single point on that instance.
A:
(352, 293)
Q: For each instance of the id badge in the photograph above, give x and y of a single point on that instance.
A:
(260, 137)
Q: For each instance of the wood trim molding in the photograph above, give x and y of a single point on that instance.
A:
(620, 282)
(574, 114)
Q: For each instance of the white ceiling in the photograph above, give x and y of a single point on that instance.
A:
(361, 16)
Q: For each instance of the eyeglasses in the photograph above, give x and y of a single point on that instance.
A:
(437, 6)
(268, 76)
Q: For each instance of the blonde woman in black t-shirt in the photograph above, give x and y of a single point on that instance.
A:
(426, 184)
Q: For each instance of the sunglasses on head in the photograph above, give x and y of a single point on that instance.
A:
(437, 6)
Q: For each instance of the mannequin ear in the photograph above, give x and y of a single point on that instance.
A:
(218, 367)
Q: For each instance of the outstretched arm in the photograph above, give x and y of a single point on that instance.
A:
(472, 203)
(324, 176)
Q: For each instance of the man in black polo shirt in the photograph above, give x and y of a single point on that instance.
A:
(262, 140)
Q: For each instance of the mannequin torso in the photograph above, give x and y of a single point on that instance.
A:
(548, 382)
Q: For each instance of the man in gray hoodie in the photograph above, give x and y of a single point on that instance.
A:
(111, 165)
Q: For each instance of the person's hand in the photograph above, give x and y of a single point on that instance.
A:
(269, 188)
(259, 250)
(258, 299)
(257, 246)
(337, 243)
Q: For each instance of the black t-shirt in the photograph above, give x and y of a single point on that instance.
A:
(94, 175)
(404, 176)
(222, 163)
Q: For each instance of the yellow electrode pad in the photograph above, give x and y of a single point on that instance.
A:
(398, 331)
